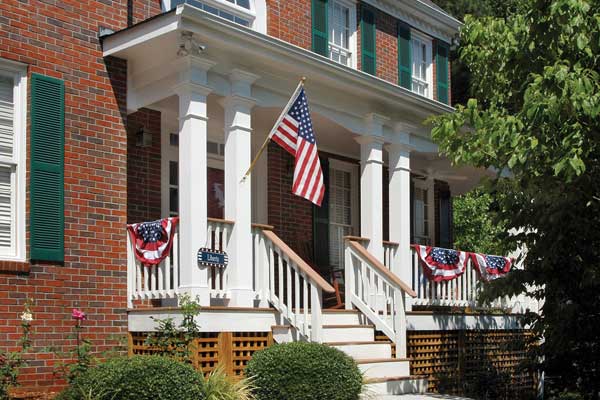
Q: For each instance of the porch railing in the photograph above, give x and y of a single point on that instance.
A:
(147, 282)
(218, 236)
(289, 284)
(459, 292)
(378, 293)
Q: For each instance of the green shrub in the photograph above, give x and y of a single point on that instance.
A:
(137, 378)
(304, 371)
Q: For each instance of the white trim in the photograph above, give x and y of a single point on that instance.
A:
(18, 72)
(428, 42)
(352, 32)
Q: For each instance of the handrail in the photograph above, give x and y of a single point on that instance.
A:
(356, 238)
(375, 263)
(264, 227)
(302, 265)
(221, 221)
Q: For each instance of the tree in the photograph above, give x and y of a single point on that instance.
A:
(535, 118)
(474, 227)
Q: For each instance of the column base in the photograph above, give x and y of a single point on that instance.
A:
(241, 298)
(197, 293)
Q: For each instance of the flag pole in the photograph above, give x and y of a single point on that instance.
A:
(264, 145)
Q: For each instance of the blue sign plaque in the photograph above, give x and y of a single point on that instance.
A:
(212, 258)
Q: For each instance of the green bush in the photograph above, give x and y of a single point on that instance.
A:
(137, 378)
(304, 371)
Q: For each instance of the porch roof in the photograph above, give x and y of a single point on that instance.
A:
(153, 44)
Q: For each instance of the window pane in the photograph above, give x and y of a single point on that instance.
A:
(244, 3)
(173, 173)
(6, 116)
(174, 200)
(6, 208)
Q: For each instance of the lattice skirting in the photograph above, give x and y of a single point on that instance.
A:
(452, 359)
(232, 350)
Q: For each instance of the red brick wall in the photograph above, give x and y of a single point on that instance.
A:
(290, 20)
(291, 215)
(143, 168)
(59, 39)
(387, 47)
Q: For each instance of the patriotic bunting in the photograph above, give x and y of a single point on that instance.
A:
(152, 241)
(441, 264)
(491, 267)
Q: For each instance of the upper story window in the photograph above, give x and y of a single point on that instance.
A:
(238, 11)
(340, 32)
(421, 66)
(13, 94)
(333, 30)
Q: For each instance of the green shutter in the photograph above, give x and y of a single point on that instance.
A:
(47, 168)
(321, 225)
(320, 35)
(442, 71)
(404, 57)
(367, 40)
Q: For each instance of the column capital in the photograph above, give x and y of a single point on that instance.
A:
(193, 68)
(239, 75)
(189, 88)
(404, 127)
(236, 100)
(367, 139)
(399, 147)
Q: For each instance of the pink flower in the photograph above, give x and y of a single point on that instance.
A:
(78, 315)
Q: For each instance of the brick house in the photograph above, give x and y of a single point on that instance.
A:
(114, 112)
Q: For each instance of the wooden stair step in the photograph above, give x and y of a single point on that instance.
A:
(395, 378)
(380, 360)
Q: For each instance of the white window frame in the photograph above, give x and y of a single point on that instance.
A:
(427, 185)
(428, 42)
(352, 32)
(256, 15)
(18, 72)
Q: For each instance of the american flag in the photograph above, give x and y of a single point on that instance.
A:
(295, 134)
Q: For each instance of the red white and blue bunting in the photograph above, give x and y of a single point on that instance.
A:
(441, 264)
(491, 267)
(152, 241)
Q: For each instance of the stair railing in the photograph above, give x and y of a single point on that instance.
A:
(289, 284)
(367, 281)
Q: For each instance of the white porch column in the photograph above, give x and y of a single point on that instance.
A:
(238, 194)
(399, 208)
(193, 118)
(371, 184)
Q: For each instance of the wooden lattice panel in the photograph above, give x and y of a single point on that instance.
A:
(244, 345)
(451, 358)
(433, 353)
(206, 352)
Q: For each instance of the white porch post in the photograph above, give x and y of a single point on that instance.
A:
(399, 209)
(238, 194)
(371, 184)
(193, 118)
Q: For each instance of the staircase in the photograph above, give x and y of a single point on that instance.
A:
(348, 331)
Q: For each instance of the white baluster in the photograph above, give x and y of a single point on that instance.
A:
(305, 304)
(296, 296)
(316, 298)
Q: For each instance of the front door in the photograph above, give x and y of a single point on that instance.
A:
(343, 209)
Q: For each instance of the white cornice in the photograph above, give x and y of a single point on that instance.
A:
(420, 16)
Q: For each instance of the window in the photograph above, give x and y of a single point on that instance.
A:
(343, 208)
(334, 30)
(423, 213)
(421, 65)
(12, 160)
(238, 11)
(339, 33)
